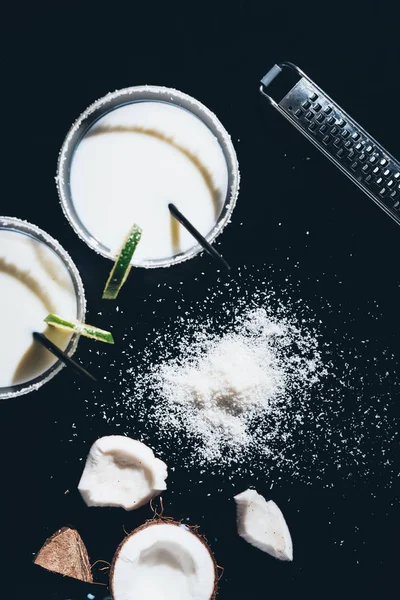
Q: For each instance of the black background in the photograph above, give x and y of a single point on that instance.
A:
(55, 61)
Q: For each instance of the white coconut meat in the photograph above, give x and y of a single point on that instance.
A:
(163, 560)
(122, 472)
(262, 524)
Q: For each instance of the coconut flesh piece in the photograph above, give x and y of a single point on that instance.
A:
(122, 472)
(163, 560)
(262, 524)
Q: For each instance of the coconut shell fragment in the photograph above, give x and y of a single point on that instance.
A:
(65, 553)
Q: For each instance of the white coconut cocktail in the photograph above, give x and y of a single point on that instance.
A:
(37, 277)
(131, 154)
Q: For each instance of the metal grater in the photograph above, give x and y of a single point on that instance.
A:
(339, 137)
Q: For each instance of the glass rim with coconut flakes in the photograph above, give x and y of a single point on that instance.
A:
(25, 228)
(134, 95)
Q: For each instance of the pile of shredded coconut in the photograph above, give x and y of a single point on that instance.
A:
(218, 387)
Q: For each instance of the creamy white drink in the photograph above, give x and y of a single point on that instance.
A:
(34, 281)
(136, 159)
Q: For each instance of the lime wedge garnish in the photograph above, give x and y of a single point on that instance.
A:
(122, 266)
(81, 328)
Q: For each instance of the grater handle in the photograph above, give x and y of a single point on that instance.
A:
(268, 78)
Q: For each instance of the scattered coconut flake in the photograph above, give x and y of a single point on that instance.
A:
(122, 472)
(262, 525)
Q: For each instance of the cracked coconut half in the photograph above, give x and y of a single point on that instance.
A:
(163, 559)
(262, 524)
(122, 472)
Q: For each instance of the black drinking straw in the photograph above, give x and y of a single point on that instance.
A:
(197, 235)
(64, 358)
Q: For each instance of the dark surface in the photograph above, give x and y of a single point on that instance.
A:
(53, 65)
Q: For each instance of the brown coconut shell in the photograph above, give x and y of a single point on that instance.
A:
(65, 553)
(193, 529)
